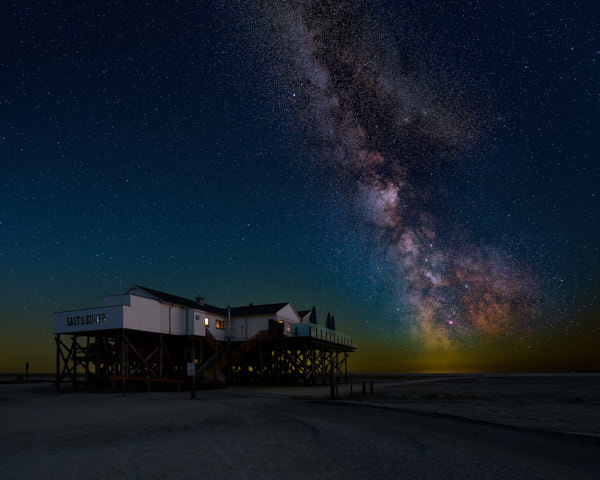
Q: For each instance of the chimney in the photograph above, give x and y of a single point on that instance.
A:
(200, 300)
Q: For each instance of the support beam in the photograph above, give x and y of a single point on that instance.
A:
(58, 376)
(160, 360)
(345, 367)
(99, 355)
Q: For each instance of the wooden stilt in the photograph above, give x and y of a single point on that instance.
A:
(58, 376)
(131, 355)
(346, 367)
(160, 361)
(193, 379)
(73, 355)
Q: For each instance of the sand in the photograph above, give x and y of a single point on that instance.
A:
(450, 426)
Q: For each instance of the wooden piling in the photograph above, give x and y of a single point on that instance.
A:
(58, 376)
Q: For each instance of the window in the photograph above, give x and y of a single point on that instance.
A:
(220, 324)
(206, 321)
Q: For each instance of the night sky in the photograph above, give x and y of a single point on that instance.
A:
(426, 171)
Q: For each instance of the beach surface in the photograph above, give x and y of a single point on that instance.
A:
(411, 426)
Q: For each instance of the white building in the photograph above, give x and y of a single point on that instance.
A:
(148, 310)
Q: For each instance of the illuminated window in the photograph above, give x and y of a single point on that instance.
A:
(220, 324)
(206, 321)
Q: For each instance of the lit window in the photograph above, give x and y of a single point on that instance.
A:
(206, 321)
(220, 324)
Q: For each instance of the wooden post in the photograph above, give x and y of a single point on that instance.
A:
(304, 364)
(124, 366)
(97, 372)
(87, 361)
(260, 359)
(335, 378)
(160, 362)
(331, 377)
(123, 353)
(324, 371)
(346, 367)
(57, 340)
(73, 357)
(278, 362)
(312, 364)
(193, 379)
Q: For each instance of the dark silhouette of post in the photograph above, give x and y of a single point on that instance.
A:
(192, 372)
(332, 392)
(26, 371)
(58, 376)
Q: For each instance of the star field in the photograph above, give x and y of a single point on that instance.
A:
(427, 171)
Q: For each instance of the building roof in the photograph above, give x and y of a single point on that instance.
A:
(258, 309)
(247, 310)
(176, 300)
(311, 314)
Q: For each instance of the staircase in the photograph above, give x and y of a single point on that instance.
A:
(219, 360)
(207, 367)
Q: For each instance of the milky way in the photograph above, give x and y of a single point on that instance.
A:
(383, 131)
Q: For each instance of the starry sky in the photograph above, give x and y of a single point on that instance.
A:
(426, 171)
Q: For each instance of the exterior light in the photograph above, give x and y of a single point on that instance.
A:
(206, 321)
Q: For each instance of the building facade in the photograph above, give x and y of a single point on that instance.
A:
(152, 335)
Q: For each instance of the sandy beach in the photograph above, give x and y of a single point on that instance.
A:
(411, 426)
